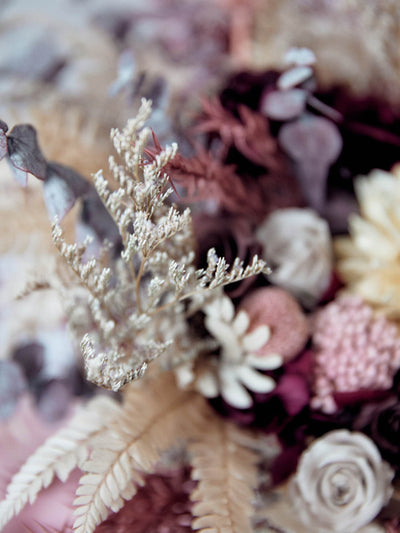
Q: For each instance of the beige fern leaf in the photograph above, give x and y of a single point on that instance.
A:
(58, 456)
(226, 469)
(156, 414)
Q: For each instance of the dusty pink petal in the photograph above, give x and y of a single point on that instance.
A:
(19, 438)
(279, 310)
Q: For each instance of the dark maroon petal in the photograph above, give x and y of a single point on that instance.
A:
(340, 206)
(294, 393)
(332, 289)
(24, 152)
(231, 237)
(162, 505)
(285, 464)
(348, 398)
(302, 365)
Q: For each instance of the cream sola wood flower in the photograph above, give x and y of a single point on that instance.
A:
(266, 331)
(341, 483)
(369, 259)
(297, 247)
(239, 362)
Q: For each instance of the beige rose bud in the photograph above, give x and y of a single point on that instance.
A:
(297, 246)
(341, 483)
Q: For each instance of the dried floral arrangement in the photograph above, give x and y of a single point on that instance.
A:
(260, 369)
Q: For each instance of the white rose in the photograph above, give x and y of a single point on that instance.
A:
(297, 246)
(341, 483)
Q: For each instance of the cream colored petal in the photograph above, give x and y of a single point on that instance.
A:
(241, 323)
(256, 339)
(269, 362)
(255, 381)
(232, 391)
(207, 385)
(231, 349)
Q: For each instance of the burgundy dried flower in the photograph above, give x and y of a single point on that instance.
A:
(281, 411)
(231, 237)
(353, 351)
(381, 421)
(162, 505)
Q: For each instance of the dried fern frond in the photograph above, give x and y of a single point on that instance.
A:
(249, 134)
(153, 417)
(226, 469)
(58, 456)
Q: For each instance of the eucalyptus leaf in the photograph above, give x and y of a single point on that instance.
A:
(24, 152)
(62, 187)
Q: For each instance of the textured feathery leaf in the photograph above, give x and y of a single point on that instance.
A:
(226, 469)
(58, 456)
(154, 416)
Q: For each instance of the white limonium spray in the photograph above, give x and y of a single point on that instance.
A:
(237, 369)
(135, 303)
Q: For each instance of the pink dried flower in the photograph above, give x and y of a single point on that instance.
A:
(283, 315)
(354, 350)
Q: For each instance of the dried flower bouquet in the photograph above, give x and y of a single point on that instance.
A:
(210, 357)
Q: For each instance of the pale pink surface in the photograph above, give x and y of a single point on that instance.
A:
(19, 437)
(277, 309)
(354, 350)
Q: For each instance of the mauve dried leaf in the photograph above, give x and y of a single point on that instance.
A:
(312, 176)
(30, 357)
(311, 138)
(61, 189)
(24, 152)
(314, 143)
(3, 143)
(12, 385)
(54, 400)
(283, 105)
(95, 215)
(294, 76)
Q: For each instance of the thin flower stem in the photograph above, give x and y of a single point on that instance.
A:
(363, 129)
(325, 109)
(137, 284)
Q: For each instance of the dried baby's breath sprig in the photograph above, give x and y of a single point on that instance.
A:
(135, 303)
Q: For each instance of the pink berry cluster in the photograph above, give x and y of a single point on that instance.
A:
(354, 350)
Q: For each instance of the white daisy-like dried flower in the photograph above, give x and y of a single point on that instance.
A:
(297, 246)
(369, 258)
(236, 370)
(341, 483)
